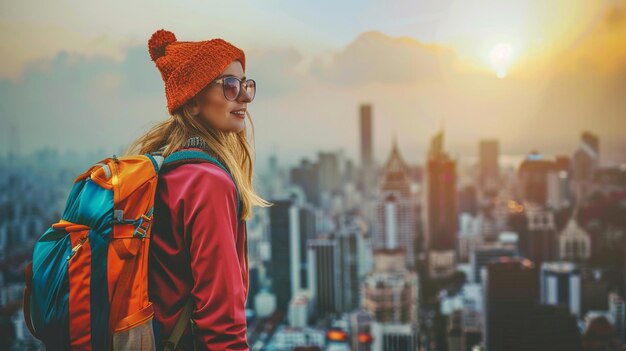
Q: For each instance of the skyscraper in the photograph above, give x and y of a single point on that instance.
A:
(367, 139)
(325, 280)
(511, 288)
(285, 251)
(395, 225)
(489, 174)
(440, 210)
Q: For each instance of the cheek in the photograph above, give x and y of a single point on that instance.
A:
(216, 110)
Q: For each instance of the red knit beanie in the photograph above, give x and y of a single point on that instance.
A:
(187, 66)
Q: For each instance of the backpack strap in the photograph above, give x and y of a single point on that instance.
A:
(196, 156)
(180, 326)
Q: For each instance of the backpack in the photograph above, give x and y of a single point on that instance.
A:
(87, 284)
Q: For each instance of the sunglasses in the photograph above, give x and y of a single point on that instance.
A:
(232, 87)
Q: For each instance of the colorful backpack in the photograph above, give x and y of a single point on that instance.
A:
(87, 285)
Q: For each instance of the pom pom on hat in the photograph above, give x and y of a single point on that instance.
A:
(157, 43)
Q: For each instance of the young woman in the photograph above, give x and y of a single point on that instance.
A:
(199, 246)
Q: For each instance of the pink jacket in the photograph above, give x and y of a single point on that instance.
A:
(199, 249)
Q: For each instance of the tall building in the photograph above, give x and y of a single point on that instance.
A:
(487, 253)
(587, 157)
(574, 242)
(306, 176)
(350, 238)
(440, 209)
(561, 286)
(533, 178)
(511, 289)
(390, 290)
(489, 167)
(325, 280)
(329, 172)
(367, 140)
(538, 240)
(285, 262)
(395, 225)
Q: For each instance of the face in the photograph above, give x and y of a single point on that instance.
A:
(212, 106)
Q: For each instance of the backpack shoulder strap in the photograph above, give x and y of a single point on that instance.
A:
(196, 156)
(180, 326)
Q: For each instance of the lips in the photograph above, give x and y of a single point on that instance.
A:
(239, 113)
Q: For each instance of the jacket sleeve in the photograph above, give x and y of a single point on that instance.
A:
(210, 228)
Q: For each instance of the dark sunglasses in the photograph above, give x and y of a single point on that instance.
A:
(232, 87)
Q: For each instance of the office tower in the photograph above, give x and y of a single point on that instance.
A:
(440, 210)
(306, 176)
(367, 141)
(329, 172)
(395, 227)
(560, 284)
(539, 241)
(350, 238)
(308, 228)
(586, 158)
(285, 251)
(510, 288)
(487, 253)
(489, 168)
(390, 290)
(574, 242)
(533, 178)
(325, 280)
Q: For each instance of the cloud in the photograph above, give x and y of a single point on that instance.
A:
(376, 57)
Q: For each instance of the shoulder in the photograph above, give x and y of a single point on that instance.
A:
(199, 175)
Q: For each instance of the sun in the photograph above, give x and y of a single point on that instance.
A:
(500, 57)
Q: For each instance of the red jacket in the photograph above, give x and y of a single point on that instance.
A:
(199, 249)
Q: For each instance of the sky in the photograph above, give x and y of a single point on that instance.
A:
(533, 74)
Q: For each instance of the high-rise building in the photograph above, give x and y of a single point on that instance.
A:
(489, 167)
(486, 253)
(350, 238)
(325, 280)
(285, 262)
(395, 225)
(533, 178)
(587, 157)
(510, 288)
(306, 176)
(390, 290)
(561, 286)
(574, 242)
(440, 210)
(367, 140)
(539, 240)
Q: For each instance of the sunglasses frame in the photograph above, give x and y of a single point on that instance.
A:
(241, 83)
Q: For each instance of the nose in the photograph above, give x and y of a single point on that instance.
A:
(243, 95)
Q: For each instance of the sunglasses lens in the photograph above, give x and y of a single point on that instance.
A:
(231, 88)
(251, 88)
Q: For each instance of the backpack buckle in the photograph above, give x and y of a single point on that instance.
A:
(143, 226)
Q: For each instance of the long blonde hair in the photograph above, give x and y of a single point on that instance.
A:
(230, 148)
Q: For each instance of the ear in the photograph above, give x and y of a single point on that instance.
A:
(193, 107)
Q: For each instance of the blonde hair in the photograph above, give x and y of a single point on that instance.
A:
(230, 148)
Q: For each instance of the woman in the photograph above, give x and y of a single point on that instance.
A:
(199, 246)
